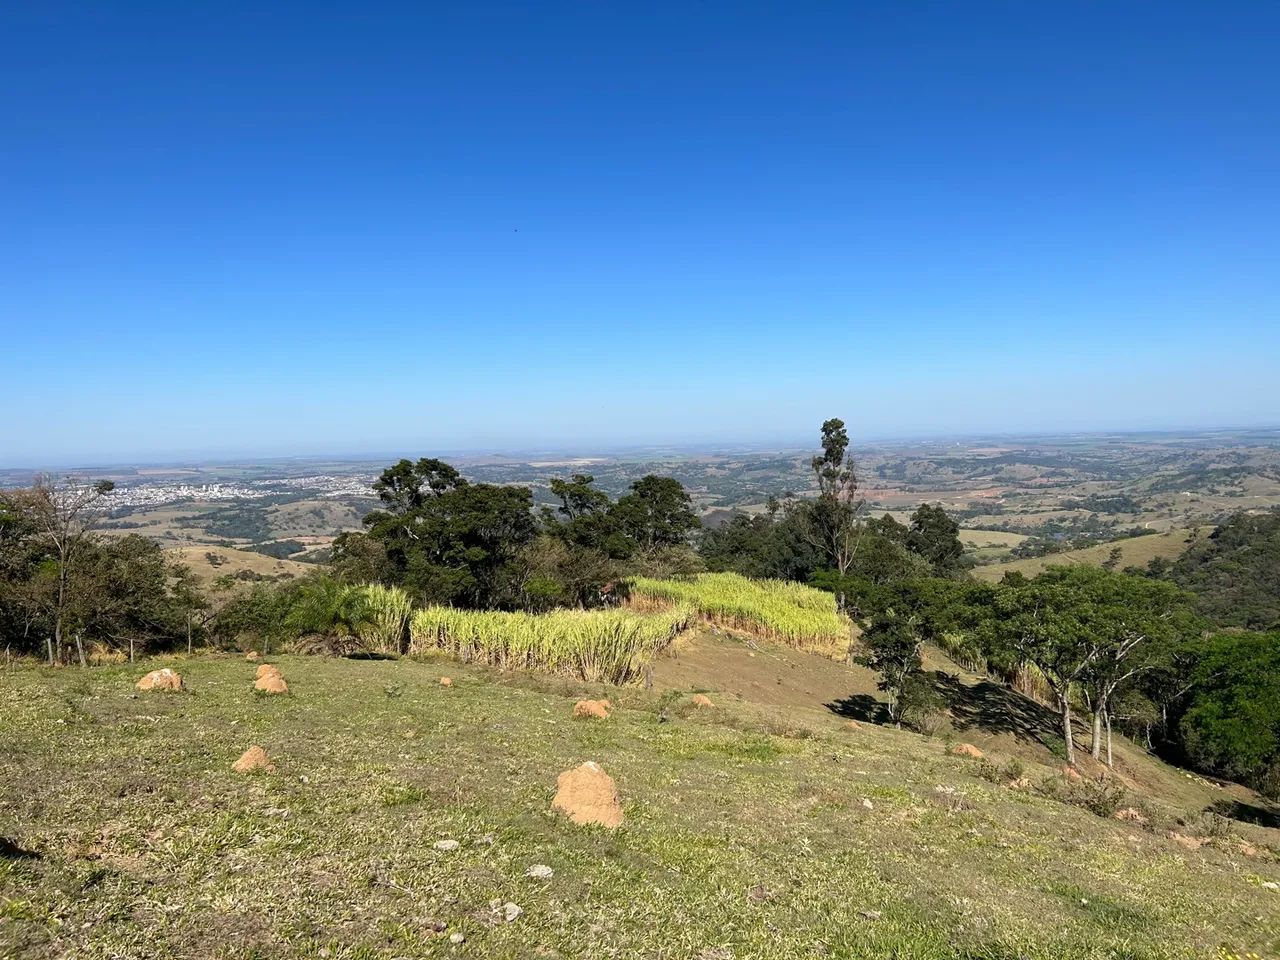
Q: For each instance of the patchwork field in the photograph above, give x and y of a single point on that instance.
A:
(405, 819)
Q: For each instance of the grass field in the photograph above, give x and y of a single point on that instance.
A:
(596, 645)
(231, 561)
(990, 538)
(791, 613)
(749, 833)
(1134, 552)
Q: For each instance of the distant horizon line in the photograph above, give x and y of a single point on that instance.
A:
(524, 454)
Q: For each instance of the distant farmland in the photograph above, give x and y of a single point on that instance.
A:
(1134, 552)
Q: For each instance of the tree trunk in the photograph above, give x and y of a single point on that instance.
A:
(84, 662)
(188, 633)
(48, 642)
(1064, 705)
(131, 649)
(1095, 743)
(1108, 719)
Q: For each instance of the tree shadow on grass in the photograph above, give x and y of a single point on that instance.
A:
(11, 851)
(985, 706)
(861, 707)
(1248, 813)
(995, 709)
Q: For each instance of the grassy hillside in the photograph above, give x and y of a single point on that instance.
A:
(1134, 552)
(751, 830)
(210, 562)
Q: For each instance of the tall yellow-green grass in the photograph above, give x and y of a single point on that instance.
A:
(790, 613)
(384, 615)
(609, 646)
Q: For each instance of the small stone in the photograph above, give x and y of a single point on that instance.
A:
(967, 750)
(1270, 885)
(1131, 815)
(511, 912)
(253, 655)
(540, 871)
(456, 938)
(868, 804)
(702, 701)
(447, 846)
(268, 669)
(869, 914)
(446, 681)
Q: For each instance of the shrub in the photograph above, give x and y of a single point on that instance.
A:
(1100, 797)
(791, 613)
(611, 646)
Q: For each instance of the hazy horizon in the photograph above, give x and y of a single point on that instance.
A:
(619, 450)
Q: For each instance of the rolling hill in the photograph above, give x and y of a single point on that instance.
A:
(1134, 552)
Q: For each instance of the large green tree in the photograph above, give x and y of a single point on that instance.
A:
(447, 540)
(657, 514)
(934, 536)
(1231, 724)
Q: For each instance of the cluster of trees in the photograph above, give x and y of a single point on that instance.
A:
(1234, 572)
(829, 541)
(63, 585)
(446, 540)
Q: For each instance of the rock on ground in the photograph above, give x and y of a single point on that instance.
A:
(163, 679)
(253, 655)
(255, 758)
(598, 709)
(446, 682)
(271, 683)
(967, 750)
(588, 795)
(702, 700)
(268, 669)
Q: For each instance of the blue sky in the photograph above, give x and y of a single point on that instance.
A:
(272, 229)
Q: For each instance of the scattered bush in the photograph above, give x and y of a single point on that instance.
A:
(1101, 797)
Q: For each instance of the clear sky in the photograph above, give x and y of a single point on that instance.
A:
(271, 228)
